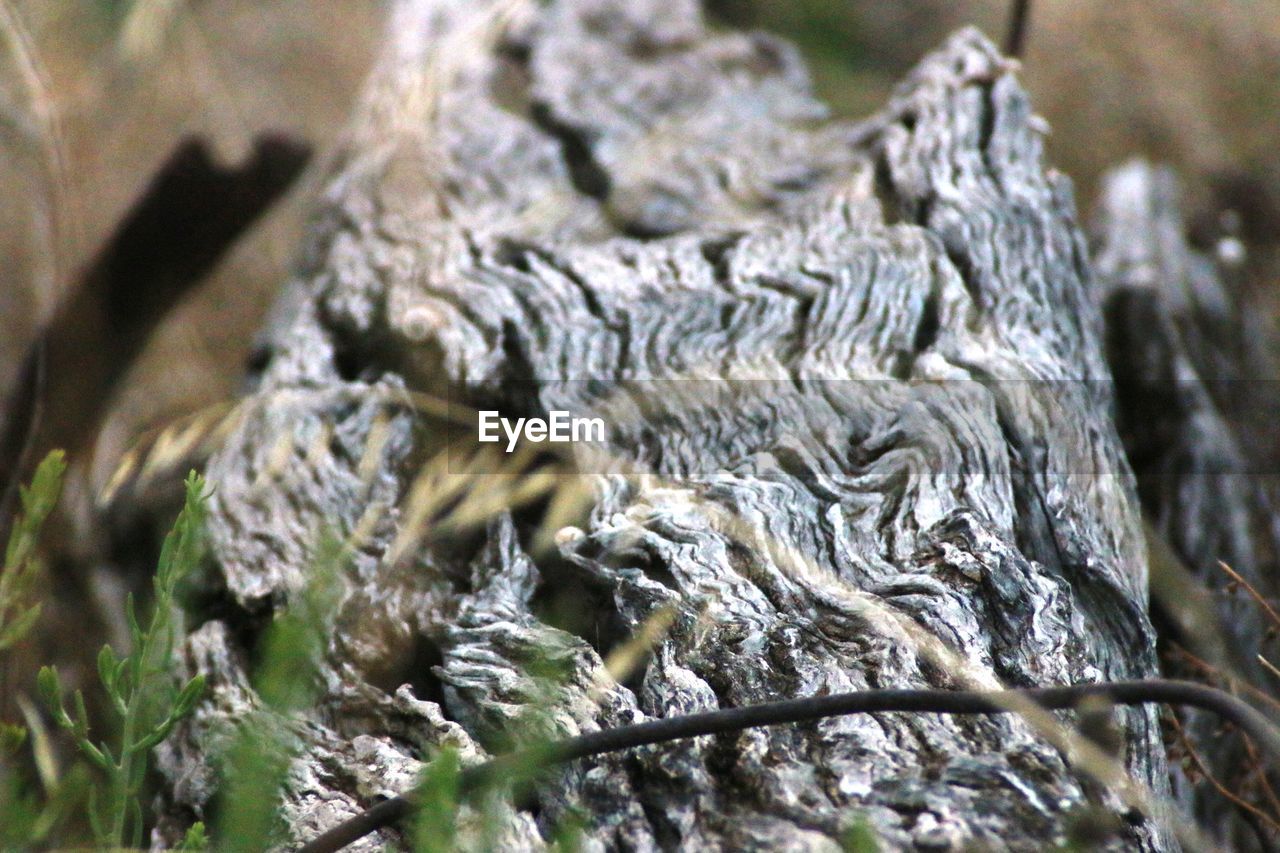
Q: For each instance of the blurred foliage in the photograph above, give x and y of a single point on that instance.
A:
(255, 766)
(21, 561)
(31, 815)
(27, 814)
(859, 837)
(434, 828)
(18, 614)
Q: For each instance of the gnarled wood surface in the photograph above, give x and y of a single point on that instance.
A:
(912, 479)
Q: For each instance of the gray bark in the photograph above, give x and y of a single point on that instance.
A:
(912, 454)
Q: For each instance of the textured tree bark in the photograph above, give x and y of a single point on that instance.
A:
(898, 466)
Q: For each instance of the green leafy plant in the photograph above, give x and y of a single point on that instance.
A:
(21, 563)
(29, 815)
(139, 687)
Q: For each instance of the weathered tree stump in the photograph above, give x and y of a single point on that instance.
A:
(861, 367)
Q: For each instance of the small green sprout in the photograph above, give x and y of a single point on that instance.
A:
(195, 839)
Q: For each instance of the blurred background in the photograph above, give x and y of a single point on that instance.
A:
(95, 94)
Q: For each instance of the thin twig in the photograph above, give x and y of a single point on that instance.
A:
(1246, 717)
(1015, 39)
(1269, 666)
(1222, 789)
(1257, 596)
(1234, 683)
(1260, 772)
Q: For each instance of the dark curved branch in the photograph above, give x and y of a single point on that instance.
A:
(1223, 704)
